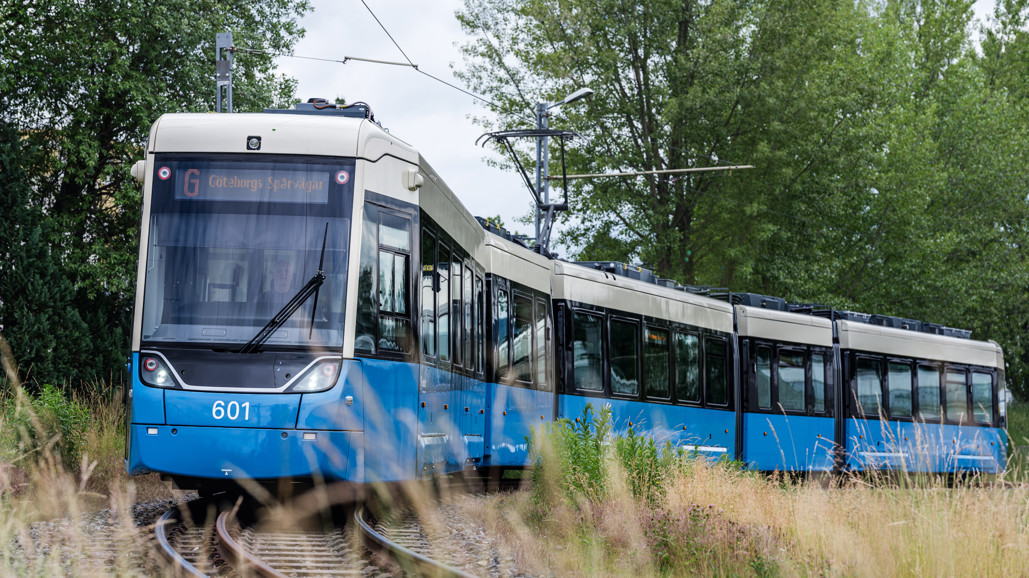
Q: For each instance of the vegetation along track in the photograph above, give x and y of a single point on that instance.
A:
(194, 547)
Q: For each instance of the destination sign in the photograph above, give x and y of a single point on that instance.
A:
(252, 185)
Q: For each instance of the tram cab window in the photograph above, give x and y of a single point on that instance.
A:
(503, 344)
(928, 393)
(818, 382)
(655, 361)
(898, 379)
(428, 313)
(869, 386)
(982, 397)
(587, 352)
(957, 396)
(624, 350)
(522, 338)
(791, 380)
(443, 304)
(687, 367)
(383, 306)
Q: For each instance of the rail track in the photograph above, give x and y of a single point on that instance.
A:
(194, 545)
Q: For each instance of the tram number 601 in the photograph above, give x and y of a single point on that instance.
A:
(230, 410)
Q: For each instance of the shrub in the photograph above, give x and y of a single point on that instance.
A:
(47, 422)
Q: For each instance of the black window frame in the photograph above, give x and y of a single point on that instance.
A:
(669, 364)
(609, 342)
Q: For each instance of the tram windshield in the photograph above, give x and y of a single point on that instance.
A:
(233, 240)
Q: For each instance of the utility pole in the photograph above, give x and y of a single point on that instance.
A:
(223, 71)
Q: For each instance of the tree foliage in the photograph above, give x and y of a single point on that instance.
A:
(889, 144)
(82, 82)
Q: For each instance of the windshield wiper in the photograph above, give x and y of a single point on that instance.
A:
(311, 288)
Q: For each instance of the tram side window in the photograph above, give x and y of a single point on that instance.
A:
(469, 321)
(869, 386)
(428, 314)
(364, 334)
(624, 352)
(791, 380)
(763, 378)
(503, 343)
(818, 381)
(587, 355)
(443, 304)
(957, 396)
(655, 360)
(715, 373)
(899, 382)
(522, 338)
(928, 392)
(455, 308)
(687, 367)
(982, 397)
(542, 351)
(383, 322)
(394, 257)
(480, 320)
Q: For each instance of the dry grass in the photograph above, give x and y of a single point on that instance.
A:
(716, 520)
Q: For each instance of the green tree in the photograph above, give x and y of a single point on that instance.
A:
(889, 153)
(36, 299)
(83, 82)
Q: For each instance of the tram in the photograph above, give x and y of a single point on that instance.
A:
(314, 303)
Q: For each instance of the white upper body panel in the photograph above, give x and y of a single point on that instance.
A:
(294, 134)
(905, 343)
(783, 326)
(586, 285)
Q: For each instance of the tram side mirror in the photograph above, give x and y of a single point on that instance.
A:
(436, 282)
(139, 171)
(413, 180)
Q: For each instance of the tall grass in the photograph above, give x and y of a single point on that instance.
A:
(698, 517)
(60, 467)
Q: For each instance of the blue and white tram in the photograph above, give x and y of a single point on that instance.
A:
(663, 359)
(313, 303)
(920, 402)
(787, 385)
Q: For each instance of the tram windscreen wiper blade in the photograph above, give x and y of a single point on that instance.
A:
(287, 311)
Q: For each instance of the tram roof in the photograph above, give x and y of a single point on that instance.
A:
(296, 134)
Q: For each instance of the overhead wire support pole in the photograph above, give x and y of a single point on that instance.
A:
(223, 70)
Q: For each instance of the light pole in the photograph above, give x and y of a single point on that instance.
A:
(543, 159)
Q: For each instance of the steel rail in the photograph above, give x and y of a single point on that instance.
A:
(427, 565)
(239, 557)
(181, 566)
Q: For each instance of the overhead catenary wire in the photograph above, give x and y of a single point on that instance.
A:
(408, 63)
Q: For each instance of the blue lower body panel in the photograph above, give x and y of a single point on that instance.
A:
(704, 432)
(231, 453)
(924, 447)
(788, 443)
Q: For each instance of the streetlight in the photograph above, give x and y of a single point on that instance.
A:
(543, 157)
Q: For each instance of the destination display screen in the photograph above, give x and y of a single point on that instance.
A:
(278, 185)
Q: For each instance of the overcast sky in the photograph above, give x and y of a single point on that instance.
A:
(431, 116)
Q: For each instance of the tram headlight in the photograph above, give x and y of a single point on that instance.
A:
(321, 377)
(154, 372)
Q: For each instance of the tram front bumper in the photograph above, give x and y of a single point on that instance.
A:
(238, 453)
